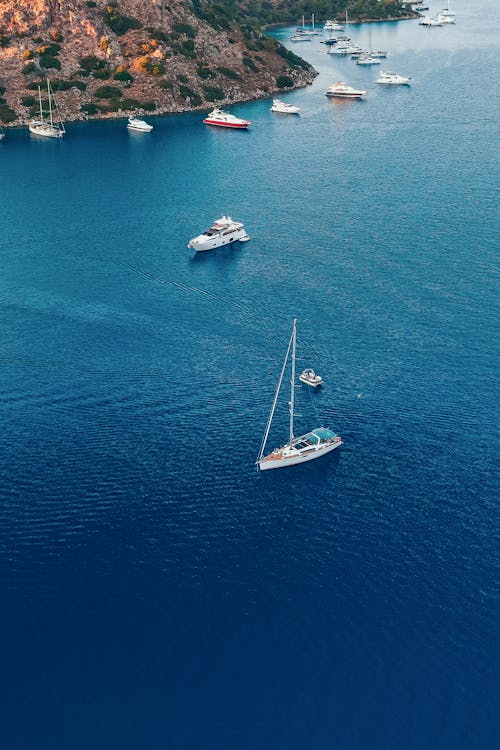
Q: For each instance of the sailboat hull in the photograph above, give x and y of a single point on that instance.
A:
(45, 131)
(281, 459)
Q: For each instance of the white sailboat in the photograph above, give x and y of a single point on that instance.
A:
(297, 450)
(2, 134)
(48, 127)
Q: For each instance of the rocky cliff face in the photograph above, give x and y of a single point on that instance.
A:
(115, 56)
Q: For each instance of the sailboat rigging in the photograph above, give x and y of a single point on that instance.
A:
(297, 450)
(48, 127)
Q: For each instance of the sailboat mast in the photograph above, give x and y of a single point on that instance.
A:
(292, 382)
(40, 100)
(312, 19)
(50, 104)
(271, 414)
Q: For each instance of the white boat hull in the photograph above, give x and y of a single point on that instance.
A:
(299, 458)
(45, 131)
(211, 244)
(140, 129)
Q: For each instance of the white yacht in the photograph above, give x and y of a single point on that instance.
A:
(224, 231)
(341, 90)
(134, 123)
(333, 26)
(393, 79)
(309, 377)
(447, 13)
(367, 60)
(225, 119)
(284, 108)
(2, 134)
(428, 21)
(50, 124)
(300, 38)
(444, 17)
(344, 48)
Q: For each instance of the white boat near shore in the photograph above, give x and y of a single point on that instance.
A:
(50, 124)
(393, 79)
(135, 123)
(284, 108)
(341, 90)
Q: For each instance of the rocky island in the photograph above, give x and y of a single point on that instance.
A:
(110, 57)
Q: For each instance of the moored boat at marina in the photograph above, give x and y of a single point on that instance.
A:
(367, 60)
(342, 90)
(284, 108)
(135, 123)
(393, 79)
(427, 21)
(333, 26)
(50, 124)
(225, 119)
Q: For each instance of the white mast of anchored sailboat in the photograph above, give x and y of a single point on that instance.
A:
(271, 414)
(292, 382)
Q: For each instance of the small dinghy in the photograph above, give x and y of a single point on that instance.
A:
(309, 377)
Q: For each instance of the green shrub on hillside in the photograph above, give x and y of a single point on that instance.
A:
(6, 114)
(213, 93)
(230, 73)
(284, 82)
(108, 92)
(89, 109)
(117, 22)
(123, 75)
(187, 93)
(185, 28)
(250, 63)
(204, 71)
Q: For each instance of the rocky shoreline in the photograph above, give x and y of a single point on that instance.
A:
(111, 58)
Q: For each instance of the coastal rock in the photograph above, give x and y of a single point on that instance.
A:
(107, 57)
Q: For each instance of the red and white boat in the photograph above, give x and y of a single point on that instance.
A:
(225, 119)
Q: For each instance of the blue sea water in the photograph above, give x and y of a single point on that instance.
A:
(156, 590)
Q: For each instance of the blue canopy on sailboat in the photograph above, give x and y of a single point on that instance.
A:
(322, 433)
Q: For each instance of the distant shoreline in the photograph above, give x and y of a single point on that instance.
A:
(285, 24)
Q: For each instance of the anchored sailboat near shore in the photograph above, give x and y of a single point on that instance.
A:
(297, 450)
(50, 126)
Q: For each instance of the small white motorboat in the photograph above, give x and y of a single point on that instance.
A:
(300, 38)
(333, 26)
(341, 90)
(309, 377)
(444, 17)
(135, 123)
(284, 108)
(427, 21)
(367, 60)
(393, 79)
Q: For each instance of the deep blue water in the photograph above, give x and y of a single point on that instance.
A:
(156, 590)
